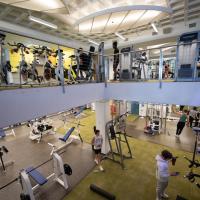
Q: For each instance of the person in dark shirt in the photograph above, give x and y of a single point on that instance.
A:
(84, 62)
(116, 59)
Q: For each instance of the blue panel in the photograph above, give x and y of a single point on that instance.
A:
(135, 108)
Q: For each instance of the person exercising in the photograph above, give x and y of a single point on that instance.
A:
(181, 123)
(162, 173)
(83, 62)
(97, 142)
(116, 60)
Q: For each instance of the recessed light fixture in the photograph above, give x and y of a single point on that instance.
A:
(43, 22)
(154, 27)
(121, 36)
(93, 42)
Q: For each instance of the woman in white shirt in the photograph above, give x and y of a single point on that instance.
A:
(97, 142)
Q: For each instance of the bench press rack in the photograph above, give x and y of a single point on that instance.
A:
(59, 176)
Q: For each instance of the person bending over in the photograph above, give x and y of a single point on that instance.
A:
(162, 173)
(97, 142)
(181, 123)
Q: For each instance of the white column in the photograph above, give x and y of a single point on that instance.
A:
(102, 117)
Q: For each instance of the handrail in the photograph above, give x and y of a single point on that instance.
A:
(162, 47)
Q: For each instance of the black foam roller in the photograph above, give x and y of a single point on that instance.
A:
(102, 192)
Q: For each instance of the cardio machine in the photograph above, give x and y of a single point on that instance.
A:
(23, 66)
(188, 56)
(84, 64)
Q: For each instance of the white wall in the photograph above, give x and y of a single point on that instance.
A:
(181, 93)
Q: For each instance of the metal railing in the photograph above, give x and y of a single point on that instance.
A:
(161, 64)
(157, 64)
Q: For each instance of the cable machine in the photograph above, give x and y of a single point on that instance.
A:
(191, 176)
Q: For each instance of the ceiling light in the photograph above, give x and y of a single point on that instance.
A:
(93, 42)
(43, 22)
(120, 36)
(154, 27)
(164, 49)
(156, 46)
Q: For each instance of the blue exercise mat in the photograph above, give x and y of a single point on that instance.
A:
(36, 176)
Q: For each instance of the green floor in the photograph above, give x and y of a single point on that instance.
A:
(137, 181)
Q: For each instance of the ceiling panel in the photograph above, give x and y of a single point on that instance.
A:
(99, 23)
(85, 27)
(132, 17)
(114, 21)
(147, 17)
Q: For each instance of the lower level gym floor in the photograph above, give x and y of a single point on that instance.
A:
(137, 181)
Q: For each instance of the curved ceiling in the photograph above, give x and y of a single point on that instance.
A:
(102, 16)
(184, 12)
(118, 18)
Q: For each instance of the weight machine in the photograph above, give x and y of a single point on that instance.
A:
(40, 128)
(188, 57)
(59, 176)
(3, 165)
(116, 131)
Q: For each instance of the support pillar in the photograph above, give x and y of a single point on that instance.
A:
(102, 117)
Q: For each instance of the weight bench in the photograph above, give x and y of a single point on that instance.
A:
(66, 136)
(3, 134)
(67, 139)
(36, 176)
(58, 175)
(78, 113)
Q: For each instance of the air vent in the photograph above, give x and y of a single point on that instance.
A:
(192, 25)
(167, 30)
(154, 33)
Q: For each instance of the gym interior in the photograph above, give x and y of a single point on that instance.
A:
(99, 99)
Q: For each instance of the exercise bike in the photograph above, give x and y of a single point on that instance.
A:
(23, 66)
(139, 66)
(32, 71)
